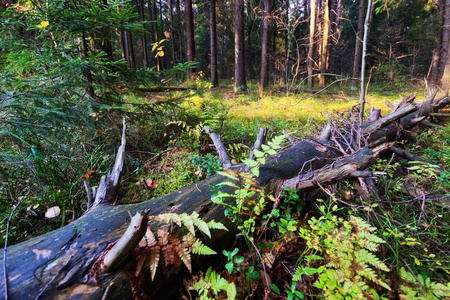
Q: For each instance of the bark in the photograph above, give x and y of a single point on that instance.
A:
(172, 32)
(58, 265)
(433, 75)
(144, 36)
(324, 52)
(363, 58)
(312, 29)
(239, 48)
(213, 37)
(265, 44)
(444, 59)
(358, 46)
(190, 32)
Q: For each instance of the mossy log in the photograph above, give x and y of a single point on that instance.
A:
(57, 265)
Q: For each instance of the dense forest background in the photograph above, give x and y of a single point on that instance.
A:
(72, 70)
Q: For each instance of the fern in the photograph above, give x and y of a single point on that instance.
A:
(173, 249)
(212, 284)
(415, 287)
(201, 249)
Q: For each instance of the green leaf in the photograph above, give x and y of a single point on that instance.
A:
(274, 288)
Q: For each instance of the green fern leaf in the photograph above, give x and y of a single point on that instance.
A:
(201, 225)
(201, 249)
(188, 223)
(216, 225)
(367, 257)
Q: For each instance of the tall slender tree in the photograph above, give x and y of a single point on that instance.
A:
(324, 48)
(213, 37)
(312, 31)
(240, 83)
(265, 44)
(358, 46)
(144, 36)
(190, 33)
(445, 52)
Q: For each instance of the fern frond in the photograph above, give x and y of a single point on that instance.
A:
(163, 235)
(367, 257)
(167, 218)
(201, 225)
(168, 251)
(201, 249)
(154, 260)
(185, 257)
(188, 222)
(189, 240)
(216, 225)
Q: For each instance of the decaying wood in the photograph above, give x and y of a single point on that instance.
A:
(58, 265)
(129, 240)
(220, 148)
(347, 167)
(260, 139)
(109, 184)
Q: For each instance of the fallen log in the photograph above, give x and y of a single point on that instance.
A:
(58, 265)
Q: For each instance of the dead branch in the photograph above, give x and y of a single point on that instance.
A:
(344, 168)
(129, 240)
(260, 139)
(109, 184)
(220, 148)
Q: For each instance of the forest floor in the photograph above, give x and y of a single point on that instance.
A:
(398, 248)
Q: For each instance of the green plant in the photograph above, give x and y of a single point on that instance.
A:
(249, 200)
(346, 248)
(233, 261)
(271, 148)
(208, 164)
(212, 286)
(416, 286)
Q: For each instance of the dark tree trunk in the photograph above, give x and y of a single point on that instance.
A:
(156, 34)
(172, 32)
(312, 30)
(358, 46)
(144, 36)
(445, 53)
(240, 83)
(190, 38)
(213, 42)
(433, 75)
(324, 51)
(265, 43)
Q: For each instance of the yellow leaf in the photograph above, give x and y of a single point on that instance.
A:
(43, 24)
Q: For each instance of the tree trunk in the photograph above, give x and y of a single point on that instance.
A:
(363, 59)
(324, 52)
(358, 46)
(312, 30)
(190, 33)
(172, 33)
(265, 44)
(213, 42)
(59, 264)
(240, 83)
(445, 53)
(144, 37)
(433, 74)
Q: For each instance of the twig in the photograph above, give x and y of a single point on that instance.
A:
(5, 276)
(262, 261)
(289, 137)
(417, 279)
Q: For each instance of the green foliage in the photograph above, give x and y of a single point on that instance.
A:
(213, 286)
(208, 164)
(233, 261)
(260, 155)
(349, 262)
(416, 286)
